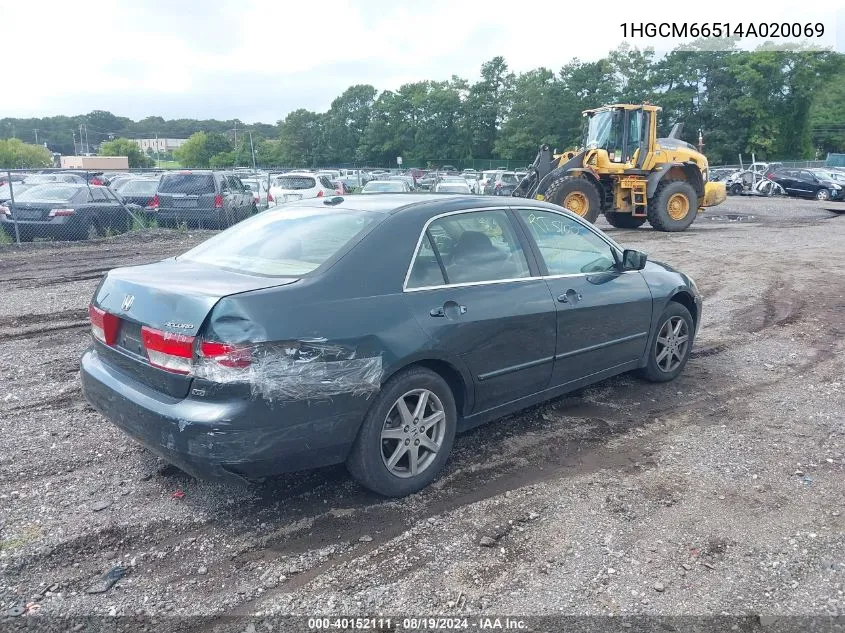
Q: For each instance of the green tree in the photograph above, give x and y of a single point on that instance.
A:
(200, 147)
(15, 154)
(128, 148)
(301, 139)
(345, 123)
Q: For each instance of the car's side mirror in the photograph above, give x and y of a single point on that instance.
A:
(633, 260)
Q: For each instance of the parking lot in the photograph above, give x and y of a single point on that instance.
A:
(720, 492)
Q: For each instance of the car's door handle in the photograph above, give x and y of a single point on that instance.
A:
(570, 296)
(450, 305)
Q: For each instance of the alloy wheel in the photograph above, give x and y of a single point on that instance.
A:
(413, 433)
(672, 343)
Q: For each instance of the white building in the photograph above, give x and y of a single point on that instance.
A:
(160, 145)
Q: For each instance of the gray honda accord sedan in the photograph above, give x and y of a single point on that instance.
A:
(370, 329)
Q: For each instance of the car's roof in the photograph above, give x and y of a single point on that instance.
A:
(310, 174)
(424, 204)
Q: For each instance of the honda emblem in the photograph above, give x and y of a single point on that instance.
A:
(127, 302)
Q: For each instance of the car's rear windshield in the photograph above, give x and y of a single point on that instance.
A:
(393, 187)
(453, 189)
(509, 179)
(139, 187)
(51, 192)
(295, 182)
(288, 242)
(189, 184)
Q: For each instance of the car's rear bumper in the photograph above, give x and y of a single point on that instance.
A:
(60, 227)
(168, 214)
(235, 439)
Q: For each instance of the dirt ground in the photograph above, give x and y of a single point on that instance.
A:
(719, 493)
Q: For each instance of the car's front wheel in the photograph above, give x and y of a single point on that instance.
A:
(823, 194)
(406, 436)
(670, 348)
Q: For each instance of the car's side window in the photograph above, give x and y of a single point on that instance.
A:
(478, 246)
(426, 270)
(567, 246)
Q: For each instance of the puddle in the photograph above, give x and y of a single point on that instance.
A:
(732, 217)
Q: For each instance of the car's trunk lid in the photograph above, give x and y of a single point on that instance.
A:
(37, 210)
(173, 297)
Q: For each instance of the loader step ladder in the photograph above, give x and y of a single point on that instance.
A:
(639, 203)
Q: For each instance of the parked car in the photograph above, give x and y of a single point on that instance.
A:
(386, 186)
(295, 186)
(803, 183)
(453, 185)
(473, 180)
(428, 182)
(202, 198)
(259, 190)
(502, 184)
(408, 180)
(230, 360)
(16, 189)
(140, 191)
(340, 187)
(40, 179)
(64, 211)
(6, 177)
(832, 175)
(486, 176)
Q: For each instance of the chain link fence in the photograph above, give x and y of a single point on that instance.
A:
(70, 205)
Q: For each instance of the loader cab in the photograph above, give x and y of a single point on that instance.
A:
(624, 132)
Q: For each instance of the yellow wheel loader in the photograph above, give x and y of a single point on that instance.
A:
(624, 171)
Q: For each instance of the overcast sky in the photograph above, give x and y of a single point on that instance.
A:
(257, 60)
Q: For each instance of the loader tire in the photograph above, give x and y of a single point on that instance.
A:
(673, 206)
(623, 220)
(577, 194)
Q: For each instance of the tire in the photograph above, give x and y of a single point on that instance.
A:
(588, 203)
(661, 370)
(623, 220)
(672, 192)
(823, 194)
(735, 189)
(368, 460)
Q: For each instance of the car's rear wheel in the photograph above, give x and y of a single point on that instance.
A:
(823, 194)
(670, 348)
(406, 436)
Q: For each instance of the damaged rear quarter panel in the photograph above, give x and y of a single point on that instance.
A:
(305, 346)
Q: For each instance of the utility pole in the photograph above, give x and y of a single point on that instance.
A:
(252, 147)
(73, 133)
(81, 142)
(87, 146)
(36, 135)
(157, 154)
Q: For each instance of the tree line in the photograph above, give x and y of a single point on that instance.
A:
(775, 102)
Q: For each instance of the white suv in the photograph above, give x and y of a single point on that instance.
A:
(294, 186)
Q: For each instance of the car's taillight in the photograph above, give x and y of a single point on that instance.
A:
(57, 213)
(168, 351)
(104, 325)
(270, 197)
(218, 201)
(153, 204)
(320, 193)
(225, 354)
(498, 185)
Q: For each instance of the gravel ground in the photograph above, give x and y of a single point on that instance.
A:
(719, 493)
